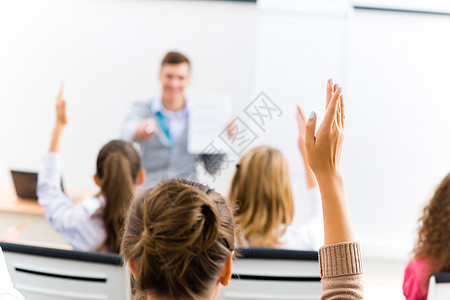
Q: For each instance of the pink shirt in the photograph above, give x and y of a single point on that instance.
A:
(415, 282)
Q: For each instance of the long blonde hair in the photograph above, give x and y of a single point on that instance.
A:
(262, 194)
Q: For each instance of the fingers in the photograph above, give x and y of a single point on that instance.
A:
(300, 116)
(61, 92)
(330, 90)
(341, 113)
(310, 131)
(63, 105)
(146, 129)
(332, 108)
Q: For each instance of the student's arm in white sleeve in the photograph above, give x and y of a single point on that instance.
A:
(59, 209)
(7, 290)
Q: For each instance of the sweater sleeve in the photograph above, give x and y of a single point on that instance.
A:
(341, 271)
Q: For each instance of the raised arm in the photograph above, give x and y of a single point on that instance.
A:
(61, 120)
(58, 207)
(340, 258)
(323, 153)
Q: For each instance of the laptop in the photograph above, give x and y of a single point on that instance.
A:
(25, 184)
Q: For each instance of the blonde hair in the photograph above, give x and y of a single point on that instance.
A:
(261, 191)
(180, 235)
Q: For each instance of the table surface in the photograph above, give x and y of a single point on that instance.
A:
(10, 202)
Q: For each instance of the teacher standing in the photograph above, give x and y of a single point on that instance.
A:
(160, 126)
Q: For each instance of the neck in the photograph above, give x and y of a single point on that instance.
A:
(173, 104)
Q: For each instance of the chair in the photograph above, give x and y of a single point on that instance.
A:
(273, 274)
(439, 287)
(44, 273)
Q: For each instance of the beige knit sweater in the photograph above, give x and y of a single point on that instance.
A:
(341, 271)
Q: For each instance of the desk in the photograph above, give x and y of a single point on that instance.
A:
(14, 210)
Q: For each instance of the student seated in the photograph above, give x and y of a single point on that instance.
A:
(432, 250)
(96, 223)
(179, 236)
(262, 194)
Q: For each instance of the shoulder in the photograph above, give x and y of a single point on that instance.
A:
(416, 277)
(417, 266)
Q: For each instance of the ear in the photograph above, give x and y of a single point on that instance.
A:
(141, 177)
(133, 267)
(96, 180)
(225, 276)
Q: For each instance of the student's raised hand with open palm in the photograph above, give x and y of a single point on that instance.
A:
(340, 257)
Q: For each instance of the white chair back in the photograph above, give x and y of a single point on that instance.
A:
(45, 274)
(273, 274)
(439, 287)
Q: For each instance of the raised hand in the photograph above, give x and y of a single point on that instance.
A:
(61, 116)
(323, 152)
(324, 149)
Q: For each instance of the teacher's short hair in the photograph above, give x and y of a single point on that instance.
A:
(174, 58)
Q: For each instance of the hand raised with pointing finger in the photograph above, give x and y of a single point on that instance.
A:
(61, 116)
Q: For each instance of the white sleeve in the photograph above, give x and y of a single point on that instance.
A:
(59, 209)
(7, 291)
(314, 204)
(314, 218)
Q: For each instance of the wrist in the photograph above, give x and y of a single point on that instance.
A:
(325, 177)
(58, 127)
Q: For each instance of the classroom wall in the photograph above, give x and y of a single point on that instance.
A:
(393, 67)
(109, 54)
(397, 127)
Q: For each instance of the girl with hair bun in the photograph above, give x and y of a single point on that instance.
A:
(432, 249)
(179, 236)
(96, 223)
(179, 241)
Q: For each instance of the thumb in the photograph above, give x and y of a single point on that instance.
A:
(310, 131)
